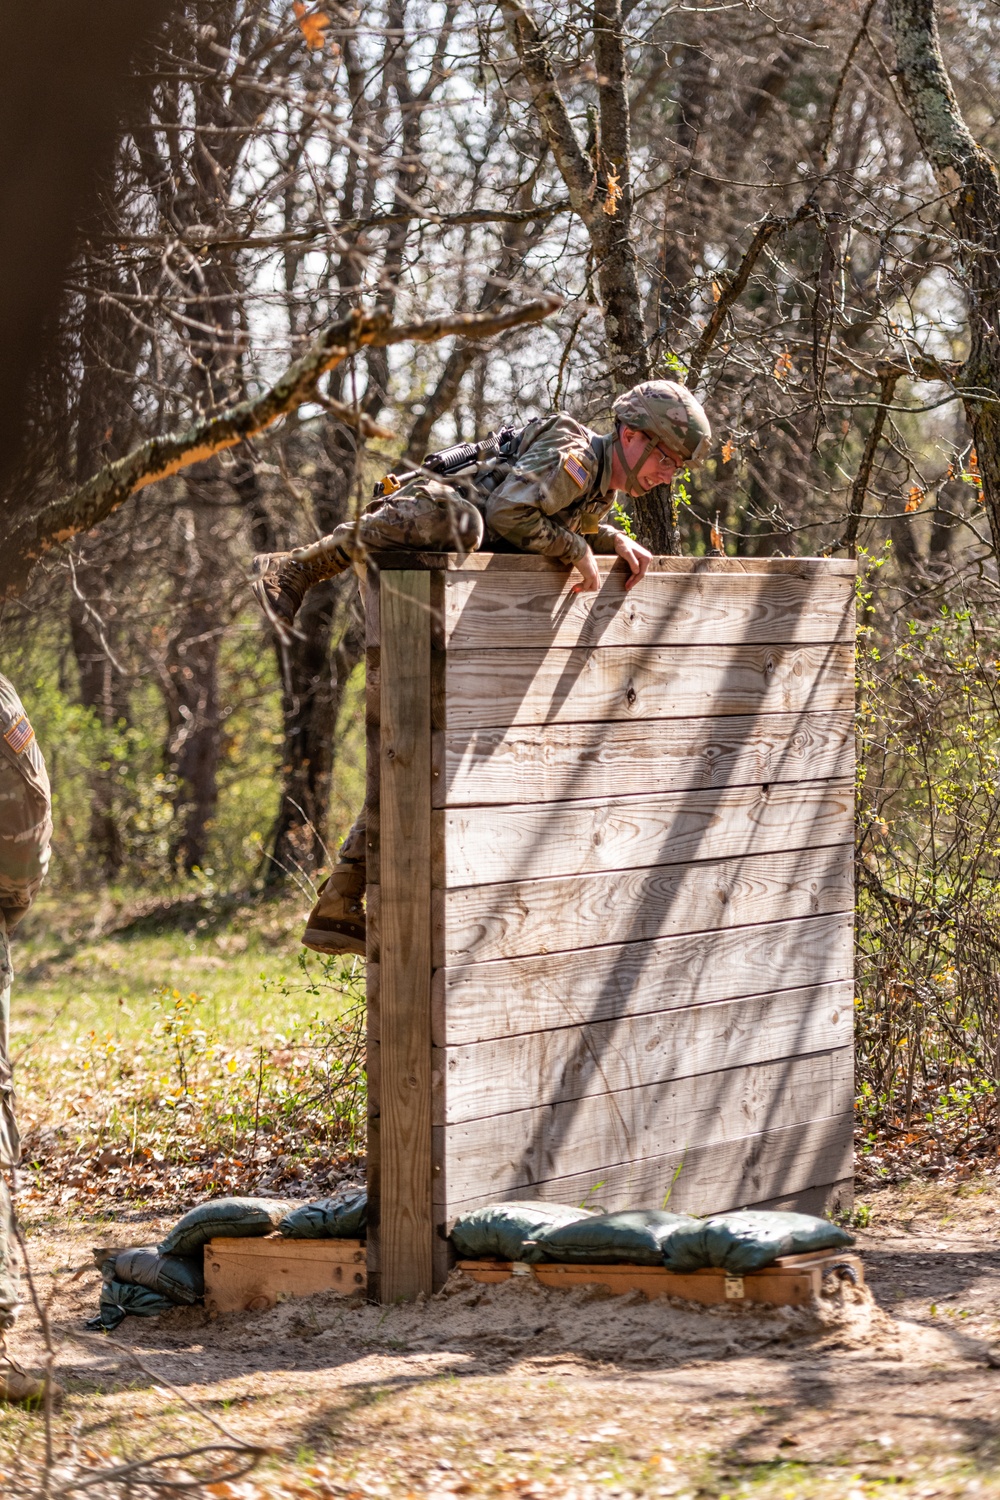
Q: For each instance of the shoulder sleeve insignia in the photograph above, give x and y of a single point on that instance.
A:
(20, 735)
(575, 469)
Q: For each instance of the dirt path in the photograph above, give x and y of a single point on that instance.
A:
(516, 1390)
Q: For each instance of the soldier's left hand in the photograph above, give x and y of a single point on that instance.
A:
(637, 558)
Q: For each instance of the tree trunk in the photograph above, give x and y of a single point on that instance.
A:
(191, 690)
(968, 176)
(600, 189)
(105, 692)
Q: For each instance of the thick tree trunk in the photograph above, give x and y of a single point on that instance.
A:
(191, 690)
(105, 692)
(600, 188)
(968, 176)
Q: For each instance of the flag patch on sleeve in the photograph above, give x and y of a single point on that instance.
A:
(574, 468)
(20, 735)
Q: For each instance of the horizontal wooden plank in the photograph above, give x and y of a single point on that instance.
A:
(491, 688)
(524, 562)
(792, 1283)
(828, 1197)
(478, 923)
(554, 762)
(681, 609)
(481, 1079)
(471, 1003)
(786, 1162)
(483, 845)
(492, 1157)
(282, 1251)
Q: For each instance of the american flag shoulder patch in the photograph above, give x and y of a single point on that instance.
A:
(574, 468)
(20, 735)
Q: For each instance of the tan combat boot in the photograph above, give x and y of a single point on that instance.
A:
(16, 1385)
(337, 921)
(281, 583)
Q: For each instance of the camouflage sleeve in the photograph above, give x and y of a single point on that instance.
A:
(25, 809)
(605, 539)
(515, 512)
(552, 474)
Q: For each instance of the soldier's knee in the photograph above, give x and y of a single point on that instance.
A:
(470, 527)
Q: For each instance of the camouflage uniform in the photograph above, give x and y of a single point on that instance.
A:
(553, 493)
(25, 830)
(548, 493)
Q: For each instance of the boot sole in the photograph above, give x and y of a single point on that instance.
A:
(322, 941)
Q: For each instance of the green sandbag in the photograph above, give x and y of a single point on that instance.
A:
(635, 1236)
(118, 1300)
(500, 1231)
(179, 1277)
(343, 1218)
(223, 1218)
(749, 1240)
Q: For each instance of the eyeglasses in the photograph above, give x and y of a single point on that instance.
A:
(696, 459)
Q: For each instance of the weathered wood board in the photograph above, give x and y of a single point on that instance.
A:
(553, 762)
(792, 1281)
(252, 1275)
(628, 975)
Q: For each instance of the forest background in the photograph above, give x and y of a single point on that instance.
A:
(786, 208)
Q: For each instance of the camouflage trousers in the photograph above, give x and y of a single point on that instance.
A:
(10, 1142)
(353, 849)
(423, 516)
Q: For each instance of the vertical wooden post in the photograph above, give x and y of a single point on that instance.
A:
(406, 1224)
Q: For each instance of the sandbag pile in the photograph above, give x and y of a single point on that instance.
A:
(147, 1280)
(738, 1242)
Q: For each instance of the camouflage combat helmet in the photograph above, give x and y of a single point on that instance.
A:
(668, 413)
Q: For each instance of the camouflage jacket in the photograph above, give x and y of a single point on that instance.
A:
(25, 809)
(554, 497)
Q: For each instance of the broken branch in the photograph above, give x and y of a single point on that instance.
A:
(160, 457)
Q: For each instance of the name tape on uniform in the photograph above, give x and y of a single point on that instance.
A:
(20, 735)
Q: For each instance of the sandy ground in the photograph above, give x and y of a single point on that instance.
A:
(519, 1390)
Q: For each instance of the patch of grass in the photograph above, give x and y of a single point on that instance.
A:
(177, 1051)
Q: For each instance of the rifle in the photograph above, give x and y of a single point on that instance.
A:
(452, 461)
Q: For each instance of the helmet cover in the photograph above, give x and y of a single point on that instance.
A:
(667, 411)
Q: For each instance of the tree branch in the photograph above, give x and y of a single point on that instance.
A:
(207, 238)
(859, 489)
(564, 143)
(733, 286)
(160, 457)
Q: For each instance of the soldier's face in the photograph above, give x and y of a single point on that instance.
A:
(659, 468)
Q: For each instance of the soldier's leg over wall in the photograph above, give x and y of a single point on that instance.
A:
(337, 921)
(424, 516)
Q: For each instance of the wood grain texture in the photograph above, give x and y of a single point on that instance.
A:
(509, 996)
(406, 1224)
(680, 609)
(484, 845)
(528, 563)
(556, 762)
(479, 923)
(373, 709)
(574, 1062)
(494, 1157)
(791, 1162)
(490, 688)
(254, 1274)
(792, 1282)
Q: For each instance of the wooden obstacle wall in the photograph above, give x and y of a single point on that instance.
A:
(610, 891)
